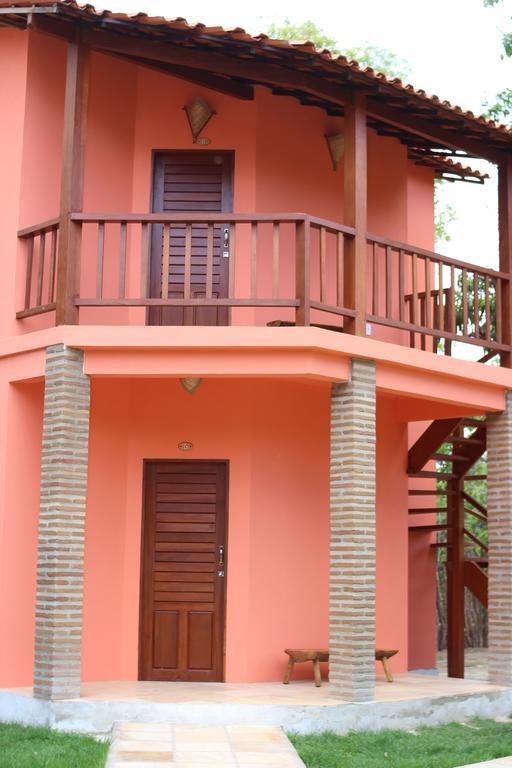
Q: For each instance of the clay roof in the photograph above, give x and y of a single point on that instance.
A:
(302, 57)
(448, 169)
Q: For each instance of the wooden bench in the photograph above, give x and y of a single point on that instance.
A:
(297, 656)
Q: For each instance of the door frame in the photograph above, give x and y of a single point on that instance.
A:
(143, 543)
(228, 196)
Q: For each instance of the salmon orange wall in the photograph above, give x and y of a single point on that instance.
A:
(275, 436)
(392, 533)
(278, 508)
(20, 459)
(13, 78)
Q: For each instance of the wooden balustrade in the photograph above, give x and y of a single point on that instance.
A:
(291, 263)
(41, 268)
(273, 260)
(429, 295)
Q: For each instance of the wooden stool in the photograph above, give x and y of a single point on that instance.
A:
(297, 656)
(316, 656)
(383, 656)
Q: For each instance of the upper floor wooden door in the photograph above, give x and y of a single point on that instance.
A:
(183, 571)
(191, 182)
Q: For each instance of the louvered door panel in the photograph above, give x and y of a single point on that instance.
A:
(182, 611)
(190, 182)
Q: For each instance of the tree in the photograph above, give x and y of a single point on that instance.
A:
(367, 56)
(501, 110)
(444, 214)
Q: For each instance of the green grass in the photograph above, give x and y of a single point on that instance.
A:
(444, 746)
(27, 747)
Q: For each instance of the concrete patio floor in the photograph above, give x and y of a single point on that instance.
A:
(413, 699)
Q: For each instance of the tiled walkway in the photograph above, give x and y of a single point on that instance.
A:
(158, 745)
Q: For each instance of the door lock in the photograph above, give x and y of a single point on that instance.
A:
(221, 561)
(225, 243)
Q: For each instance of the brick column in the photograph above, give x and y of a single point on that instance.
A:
(499, 508)
(60, 563)
(352, 541)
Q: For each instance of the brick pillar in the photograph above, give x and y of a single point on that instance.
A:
(352, 541)
(60, 563)
(499, 507)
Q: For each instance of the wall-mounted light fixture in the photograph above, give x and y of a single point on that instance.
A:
(336, 146)
(198, 114)
(190, 384)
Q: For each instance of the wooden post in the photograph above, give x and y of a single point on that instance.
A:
(505, 228)
(355, 205)
(71, 189)
(455, 577)
(302, 270)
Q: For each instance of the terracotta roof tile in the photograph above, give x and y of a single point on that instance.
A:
(267, 45)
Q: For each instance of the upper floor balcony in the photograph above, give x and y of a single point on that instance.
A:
(264, 269)
(161, 224)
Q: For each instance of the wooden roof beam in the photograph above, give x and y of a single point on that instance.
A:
(216, 63)
(213, 82)
(433, 133)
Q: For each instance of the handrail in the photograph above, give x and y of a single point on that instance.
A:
(436, 257)
(205, 216)
(39, 229)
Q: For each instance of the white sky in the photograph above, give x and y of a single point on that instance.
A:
(452, 47)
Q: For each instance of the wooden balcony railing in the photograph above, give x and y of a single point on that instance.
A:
(293, 265)
(429, 295)
(286, 260)
(41, 268)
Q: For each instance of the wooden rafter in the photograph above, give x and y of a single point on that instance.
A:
(214, 82)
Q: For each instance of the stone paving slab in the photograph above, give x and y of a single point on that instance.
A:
(159, 745)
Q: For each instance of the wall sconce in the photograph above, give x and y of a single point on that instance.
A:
(190, 384)
(198, 114)
(336, 146)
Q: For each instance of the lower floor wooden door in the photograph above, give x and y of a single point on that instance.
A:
(183, 571)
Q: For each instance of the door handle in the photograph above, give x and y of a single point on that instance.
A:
(221, 556)
(225, 242)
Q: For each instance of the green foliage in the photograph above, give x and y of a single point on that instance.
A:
(305, 31)
(380, 59)
(444, 746)
(501, 110)
(444, 215)
(27, 747)
(482, 315)
(367, 56)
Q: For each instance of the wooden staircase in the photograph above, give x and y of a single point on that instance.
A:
(444, 456)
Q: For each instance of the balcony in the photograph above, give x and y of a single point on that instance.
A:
(263, 269)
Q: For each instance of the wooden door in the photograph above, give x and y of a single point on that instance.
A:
(191, 182)
(183, 571)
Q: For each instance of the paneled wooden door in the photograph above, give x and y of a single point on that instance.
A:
(183, 571)
(191, 182)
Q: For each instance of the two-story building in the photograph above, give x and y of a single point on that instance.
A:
(225, 359)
